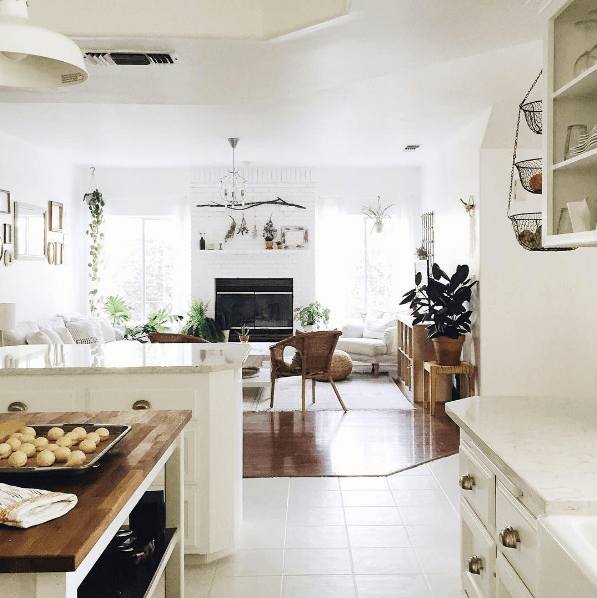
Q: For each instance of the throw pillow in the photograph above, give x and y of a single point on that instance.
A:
(38, 338)
(65, 335)
(97, 327)
(53, 336)
(119, 332)
(18, 335)
(376, 328)
(353, 330)
(107, 330)
(83, 332)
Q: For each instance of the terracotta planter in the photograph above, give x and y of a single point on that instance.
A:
(448, 350)
(269, 244)
(243, 339)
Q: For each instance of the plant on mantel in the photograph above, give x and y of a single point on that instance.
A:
(95, 203)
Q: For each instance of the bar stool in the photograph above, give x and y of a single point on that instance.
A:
(432, 370)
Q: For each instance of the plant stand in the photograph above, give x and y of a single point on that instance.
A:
(432, 370)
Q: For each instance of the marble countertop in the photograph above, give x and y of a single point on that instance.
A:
(547, 446)
(121, 358)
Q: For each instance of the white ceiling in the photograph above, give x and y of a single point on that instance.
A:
(352, 92)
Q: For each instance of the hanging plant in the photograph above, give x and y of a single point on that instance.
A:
(378, 214)
(96, 204)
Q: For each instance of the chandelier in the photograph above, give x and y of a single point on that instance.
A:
(233, 186)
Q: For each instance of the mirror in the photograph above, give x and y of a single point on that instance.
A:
(30, 237)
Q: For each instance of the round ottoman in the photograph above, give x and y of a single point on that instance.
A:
(341, 365)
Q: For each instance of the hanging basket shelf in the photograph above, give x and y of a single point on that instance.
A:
(530, 173)
(533, 112)
(527, 228)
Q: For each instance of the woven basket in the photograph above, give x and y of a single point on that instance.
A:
(527, 228)
(533, 112)
(530, 174)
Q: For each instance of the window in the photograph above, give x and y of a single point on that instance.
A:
(140, 263)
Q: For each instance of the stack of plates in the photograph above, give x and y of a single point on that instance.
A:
(587, 142)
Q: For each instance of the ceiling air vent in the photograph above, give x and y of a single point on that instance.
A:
(411, 148)
(130, 58)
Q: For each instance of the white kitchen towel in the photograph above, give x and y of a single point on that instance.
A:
(25, 507)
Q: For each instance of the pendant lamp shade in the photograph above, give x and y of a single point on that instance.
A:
(32, 56)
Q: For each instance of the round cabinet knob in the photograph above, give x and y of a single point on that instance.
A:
(141, 404)
(509, 537)
(17, 406)
(466, 481)
(475, 565)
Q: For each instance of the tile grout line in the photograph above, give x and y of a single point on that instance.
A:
(285, 536)
(354, 579)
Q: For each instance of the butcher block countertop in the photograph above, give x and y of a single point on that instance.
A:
(62, 544)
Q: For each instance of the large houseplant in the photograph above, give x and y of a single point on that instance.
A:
(157, 322)
(442, 305)
(201, 325)
(311, 315)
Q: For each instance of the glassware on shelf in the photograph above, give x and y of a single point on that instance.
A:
(573, 139)
(590, 28)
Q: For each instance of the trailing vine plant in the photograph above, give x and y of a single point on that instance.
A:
(95, 203)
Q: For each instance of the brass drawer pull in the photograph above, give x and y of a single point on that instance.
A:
(466, 481)
(141, 404)
(17, 406)
(509, 537)
(475, 565)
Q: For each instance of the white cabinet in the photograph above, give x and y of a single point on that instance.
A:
(569, 100)
(496, 527)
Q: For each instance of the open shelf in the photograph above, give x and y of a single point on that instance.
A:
(584, 160)
(584, 85)
(143, 580)
(586, 238)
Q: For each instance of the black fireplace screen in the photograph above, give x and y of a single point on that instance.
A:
(263, 304)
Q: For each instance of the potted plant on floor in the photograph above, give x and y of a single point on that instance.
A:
(200, 325)
(442, 304)
(311, 316)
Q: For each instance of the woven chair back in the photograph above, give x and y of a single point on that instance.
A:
(317, 349)
(170, 337)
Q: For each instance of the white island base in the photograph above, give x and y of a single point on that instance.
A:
(203, 378)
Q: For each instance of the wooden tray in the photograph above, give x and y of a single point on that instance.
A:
(117, 433)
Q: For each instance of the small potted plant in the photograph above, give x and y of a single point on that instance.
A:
(377, 214)
(312, 315)
(278, 244)
(269, 232)
(243, 335)
(443, 306)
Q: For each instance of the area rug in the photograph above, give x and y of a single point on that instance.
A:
(360, 392)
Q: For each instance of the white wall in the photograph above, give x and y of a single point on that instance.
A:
(35, 176)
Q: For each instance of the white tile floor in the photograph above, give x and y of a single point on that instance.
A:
(395, 537)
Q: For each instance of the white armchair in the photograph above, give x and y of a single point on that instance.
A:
(375, 341)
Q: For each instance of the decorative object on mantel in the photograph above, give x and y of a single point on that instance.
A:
(201, 242)
(441, 305)
(527, 226)
(294, 237)
(378, 214)
(36, 57)
(233, 186)
(311, 316)
(269, 232)
(253, 204)
(469, 205)
(242, 229)
(231, 230)
(95, 203)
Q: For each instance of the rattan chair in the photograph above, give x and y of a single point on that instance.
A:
(170, 337)
(314, 351)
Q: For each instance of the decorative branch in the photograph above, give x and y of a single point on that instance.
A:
(251, 204)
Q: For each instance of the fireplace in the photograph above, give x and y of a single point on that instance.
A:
(262, 304)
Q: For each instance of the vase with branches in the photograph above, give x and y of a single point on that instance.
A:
(95, 203)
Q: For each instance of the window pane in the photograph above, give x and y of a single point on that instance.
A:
(159, 265)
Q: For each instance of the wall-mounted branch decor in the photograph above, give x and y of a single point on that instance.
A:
(252, 204)
(96, 203)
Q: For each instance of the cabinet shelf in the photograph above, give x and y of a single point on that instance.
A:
(584, 85)
(584, 160)
(584, 239)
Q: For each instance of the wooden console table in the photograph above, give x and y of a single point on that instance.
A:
(51, 560)
(432, 370)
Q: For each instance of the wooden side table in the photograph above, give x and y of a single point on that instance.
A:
(432, 369)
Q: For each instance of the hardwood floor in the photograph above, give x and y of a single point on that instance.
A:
(332, 443)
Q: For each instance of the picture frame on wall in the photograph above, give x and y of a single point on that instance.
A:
(59, 254)
(56, 217)
(294, 237)
(5, 205)
(7, 233)
(8, 257)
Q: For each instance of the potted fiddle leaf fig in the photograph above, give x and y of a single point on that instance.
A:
(442, 304)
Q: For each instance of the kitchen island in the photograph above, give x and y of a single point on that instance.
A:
(203, 378)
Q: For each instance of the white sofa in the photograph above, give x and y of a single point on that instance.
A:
(64, 328)
(374, 341)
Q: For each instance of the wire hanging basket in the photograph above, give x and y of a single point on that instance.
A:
(528, 226)
(533, 113)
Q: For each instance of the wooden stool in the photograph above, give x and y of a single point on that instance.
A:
(432, 369)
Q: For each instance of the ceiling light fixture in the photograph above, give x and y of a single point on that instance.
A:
(233, 186)
(32, 56)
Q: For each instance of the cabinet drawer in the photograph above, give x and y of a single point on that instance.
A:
(41, 400)
(516, 526)
(477, 484)
(508, 584)
(478, 549)
(155, 398)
